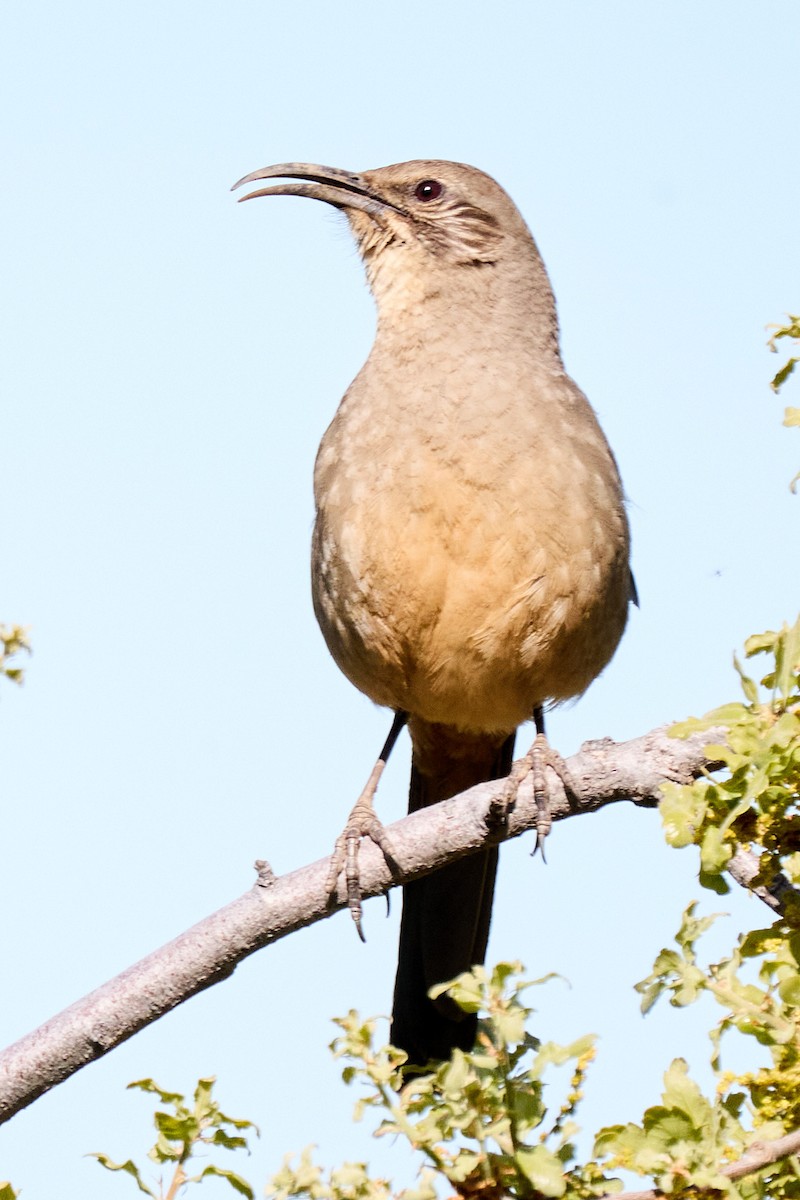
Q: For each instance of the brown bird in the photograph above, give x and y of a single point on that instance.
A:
(470, 552)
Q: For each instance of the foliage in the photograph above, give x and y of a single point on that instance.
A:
(181, 1134)
(13, 640)
(769, 1012)
(479, 1120)
(755, 807)
(682, 1142)
(756, 804)
(792, 331)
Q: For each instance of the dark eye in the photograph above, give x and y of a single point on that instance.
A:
(428, 189)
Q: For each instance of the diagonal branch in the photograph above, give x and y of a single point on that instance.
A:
(602, 773)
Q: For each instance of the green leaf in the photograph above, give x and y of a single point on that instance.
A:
(749, 686)
(464, 989)
(682, 1092)
(631, 1145)
(714, 882)
(691, 983)
(510, 1024)
(425, 1190)
(682, 810)
(715, 853)
(542, 1169)
(692, 928)
(787, 660)
(176, 1133)
(526, 1108)
(129, 1167)
(221, 1138)
(237, 1183)
(726, 714)
(180, 1128)
(760, 643)
(203, 1104)
(149, 1085)
(7, 1192)
(779, 379)
(238, 1122)
(13, 641)
(789, 990)
(465, 1164)
(455, 1074)
(794, 947)
(553, 1053)
(667, 1126)
(502, 972)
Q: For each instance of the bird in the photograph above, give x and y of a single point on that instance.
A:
(470, 556)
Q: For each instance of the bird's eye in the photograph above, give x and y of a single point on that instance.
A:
(428, 189)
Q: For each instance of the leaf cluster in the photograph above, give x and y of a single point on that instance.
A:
(682, 1142)
(756, 804)
(791, 331)
(768, 1010)
(752, 806)
(13, 641)
(182, 1133)
(479, 1120)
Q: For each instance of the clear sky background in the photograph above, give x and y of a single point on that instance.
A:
(169, 362)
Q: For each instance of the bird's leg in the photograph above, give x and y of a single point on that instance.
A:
(361, 823)
(540, 756)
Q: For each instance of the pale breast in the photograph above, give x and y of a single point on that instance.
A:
(473, 563)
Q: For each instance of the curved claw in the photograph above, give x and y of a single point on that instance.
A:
(540, 756)
(337, 862)
(352, 878)
(362, 823)
(539, 845)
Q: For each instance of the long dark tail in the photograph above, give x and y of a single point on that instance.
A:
(446, 915)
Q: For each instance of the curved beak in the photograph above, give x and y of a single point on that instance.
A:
(342, 189)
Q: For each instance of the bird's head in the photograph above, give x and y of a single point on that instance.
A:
(430, 228)
(451, 212)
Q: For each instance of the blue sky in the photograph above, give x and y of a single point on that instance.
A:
(169, 363)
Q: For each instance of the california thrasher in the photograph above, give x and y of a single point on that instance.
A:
(470, 552)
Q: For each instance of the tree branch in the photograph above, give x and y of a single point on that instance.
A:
(602, 773)
(744, 867)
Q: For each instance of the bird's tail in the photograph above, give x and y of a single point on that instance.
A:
(446, 915)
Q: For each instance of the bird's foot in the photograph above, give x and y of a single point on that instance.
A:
(361, 823)
(540, 756)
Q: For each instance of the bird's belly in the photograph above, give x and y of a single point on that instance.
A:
(449, 604)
